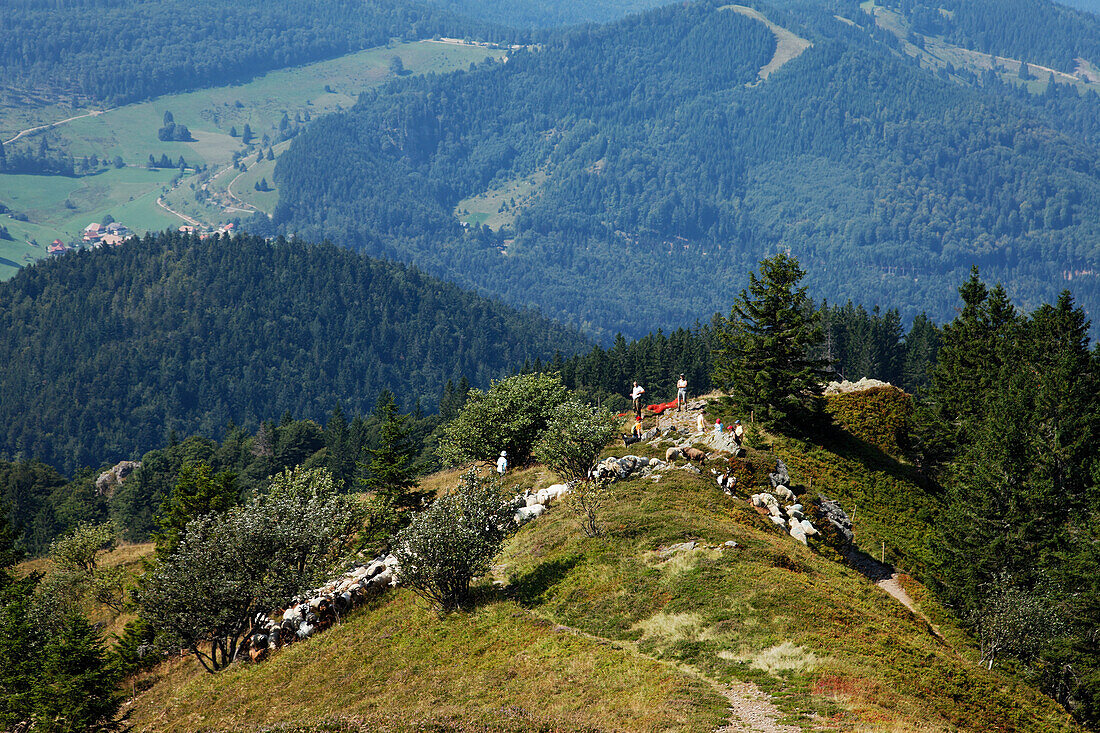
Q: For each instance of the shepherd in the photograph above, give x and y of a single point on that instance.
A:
(636, 395)
(681, 393)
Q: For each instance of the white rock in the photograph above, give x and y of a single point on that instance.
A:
(808, 527)
(779, 521)
(798, 534)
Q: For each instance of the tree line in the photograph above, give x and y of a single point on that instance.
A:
(107, 353)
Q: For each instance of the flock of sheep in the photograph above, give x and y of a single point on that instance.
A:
(322, 607)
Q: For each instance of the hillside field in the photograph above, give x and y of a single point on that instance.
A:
(630, 631)
(60, 207)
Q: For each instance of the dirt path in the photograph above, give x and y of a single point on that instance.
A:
(752, 711)
(32, 130)
(788, 46)
(170, 210)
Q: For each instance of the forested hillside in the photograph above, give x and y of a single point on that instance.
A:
(650, 160)
(105, 354)
(545, 13)
(123, 50)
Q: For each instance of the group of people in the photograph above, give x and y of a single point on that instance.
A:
(637, 391)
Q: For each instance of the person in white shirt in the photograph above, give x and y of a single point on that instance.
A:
(636, 395)
(738, 433)
(502, 463)
(681, 393)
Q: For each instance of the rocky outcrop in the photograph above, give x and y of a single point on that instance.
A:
(109, 480)
(837, 517)
(844, 387)
(618, 469)
(787, 516)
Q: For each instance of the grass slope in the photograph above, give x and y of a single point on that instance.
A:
(618, 633)
(398, 666)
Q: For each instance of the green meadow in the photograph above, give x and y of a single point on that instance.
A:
(59, 208)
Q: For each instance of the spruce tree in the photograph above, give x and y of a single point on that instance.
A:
(762, 355)
(390, 473)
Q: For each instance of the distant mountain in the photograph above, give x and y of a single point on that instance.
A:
(627, 176)
(123, 50)
(104, 354)
(1093, 6)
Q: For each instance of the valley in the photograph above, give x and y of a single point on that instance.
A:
(59, 207)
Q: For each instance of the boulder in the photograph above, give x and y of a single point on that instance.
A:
(798, 534)
(109, 480)
(837, 517)
(780, 477)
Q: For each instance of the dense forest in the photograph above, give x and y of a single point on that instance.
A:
(105, 354)
(545, 13)
(42, 504)
(1033, 30)
(119, 51)
(669, 172)
(1009, 427)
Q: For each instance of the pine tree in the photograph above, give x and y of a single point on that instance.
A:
(390, 471)
(762, 355)
(195, 494)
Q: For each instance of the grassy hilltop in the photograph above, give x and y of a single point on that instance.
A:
(625, 632)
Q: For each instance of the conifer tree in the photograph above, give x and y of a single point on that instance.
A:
(762, 354)
(390, 472)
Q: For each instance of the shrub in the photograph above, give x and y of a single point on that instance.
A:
(586, 500)
(454, 540)
(881, 416)
(574, 438)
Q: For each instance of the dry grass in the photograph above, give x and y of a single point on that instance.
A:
(398, 665)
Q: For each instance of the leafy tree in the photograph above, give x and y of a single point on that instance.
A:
(509, 416)
(253, 558)
(762, 352)
(573, 439)
(454, 540)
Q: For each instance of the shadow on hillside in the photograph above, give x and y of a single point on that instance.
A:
(528, 588)
(868, 566)
(839, 441)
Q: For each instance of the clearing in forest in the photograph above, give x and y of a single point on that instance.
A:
(788, 46)
(499, 206)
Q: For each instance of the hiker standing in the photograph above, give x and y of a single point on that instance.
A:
(738, 433)
(502, 463)
(636, 395)
(681, 393)
(700, 424)
(718, 426)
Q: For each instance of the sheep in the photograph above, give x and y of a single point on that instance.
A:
(694, 454)
(784, 493)
(673, 453)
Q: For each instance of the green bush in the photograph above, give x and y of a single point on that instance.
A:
(453, 541)
(881, 416)
(510, 416)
